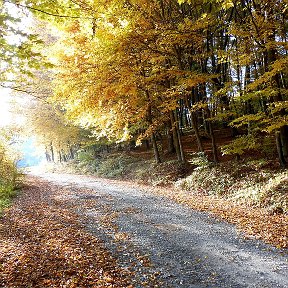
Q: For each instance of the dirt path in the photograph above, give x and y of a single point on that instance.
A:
(148, 240)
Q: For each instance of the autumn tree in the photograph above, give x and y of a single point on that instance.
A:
(140, 69)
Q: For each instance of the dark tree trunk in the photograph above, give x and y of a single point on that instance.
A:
(196, 131)
(155, 149)
(48, 157)
(284, 140)
(146, 144)
(71, 152)
(179, 139)
(281, 157)
(213, 140)
(64, 157)
(194, 125)
(176, 139)
(170, 144)
(52, 152)
(153, 138)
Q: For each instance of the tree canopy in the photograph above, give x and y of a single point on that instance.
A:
(138, 69)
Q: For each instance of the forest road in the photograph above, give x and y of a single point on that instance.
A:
(169, 243)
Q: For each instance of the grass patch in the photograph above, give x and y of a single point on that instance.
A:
(250, 183)
(9, 176)
(7, 192)
(118, 166)
(9, 185)
(161, 174)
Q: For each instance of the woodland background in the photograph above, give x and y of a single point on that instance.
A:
(159, 91)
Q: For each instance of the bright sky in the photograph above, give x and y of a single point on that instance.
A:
(5, 106)
(8, 114)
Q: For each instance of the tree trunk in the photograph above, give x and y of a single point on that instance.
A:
(213, 142)
(284, 140)
(153, 138)
(52, 152)
(196, 131)
(282, 161)
(48, 157)
(194, 125)
(155, 149)
(179, 139)
(71, 152)
(180, 145)
(64, 157)
(170, 144)
(175, 136)
(146, 144)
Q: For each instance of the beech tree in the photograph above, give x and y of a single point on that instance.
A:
(139, 69)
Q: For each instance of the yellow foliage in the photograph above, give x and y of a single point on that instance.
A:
(241, 144)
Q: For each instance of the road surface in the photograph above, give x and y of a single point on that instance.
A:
(178, 246)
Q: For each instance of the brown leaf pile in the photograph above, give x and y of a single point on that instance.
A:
(42, 244)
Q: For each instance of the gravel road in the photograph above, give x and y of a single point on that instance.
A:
(170, 243)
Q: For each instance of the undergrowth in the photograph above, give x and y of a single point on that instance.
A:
(9, 179)
(250, 183)
(245, 183)
(125, 166)
(6, 195)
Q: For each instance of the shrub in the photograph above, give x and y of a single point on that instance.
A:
(248, 183)
(117, 165)
(207, 180)
(9, 177)
(200, 160)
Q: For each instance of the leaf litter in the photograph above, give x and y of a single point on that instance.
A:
(254, 222)
(44, 244)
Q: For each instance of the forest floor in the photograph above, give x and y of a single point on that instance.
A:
(83, 231)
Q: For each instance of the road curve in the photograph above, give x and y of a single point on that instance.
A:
(186, 248)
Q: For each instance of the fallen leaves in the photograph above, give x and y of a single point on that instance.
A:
(43, 244)
(255, 222)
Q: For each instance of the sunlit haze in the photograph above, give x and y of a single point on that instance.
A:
(8, 114)
(5, 105)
